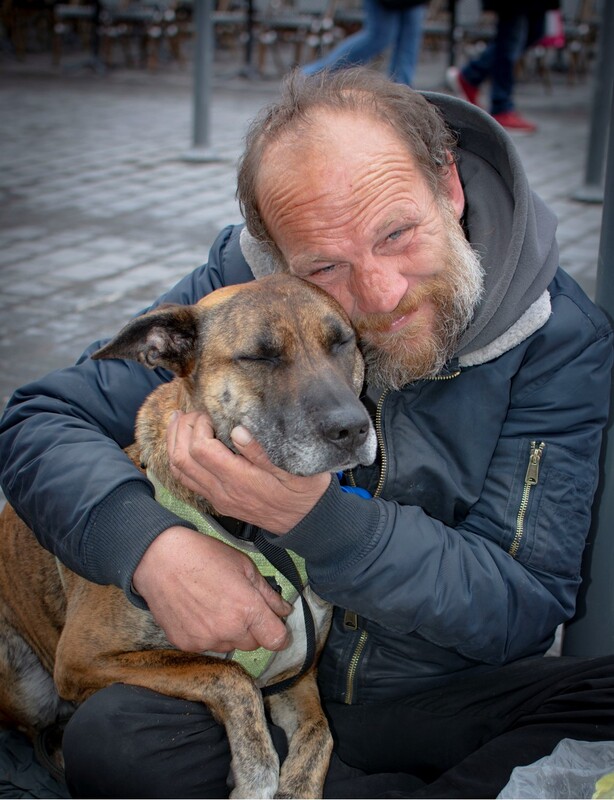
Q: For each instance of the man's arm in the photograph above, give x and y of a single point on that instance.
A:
(495, 586)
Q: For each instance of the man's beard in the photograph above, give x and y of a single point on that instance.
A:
(422, 347)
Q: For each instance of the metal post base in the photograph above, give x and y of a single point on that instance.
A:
(590, 193)
(201, 154)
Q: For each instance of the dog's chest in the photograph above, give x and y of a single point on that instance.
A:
(292, 658)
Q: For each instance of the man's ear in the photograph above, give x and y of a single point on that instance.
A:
(165, 337)
(455, 190)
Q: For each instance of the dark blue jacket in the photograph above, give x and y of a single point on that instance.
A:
(469, 555)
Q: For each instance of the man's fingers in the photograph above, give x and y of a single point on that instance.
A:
(273, 599)
(269, 632)
(179, 434)
(171, 433)
(252, 450)
(268, 629)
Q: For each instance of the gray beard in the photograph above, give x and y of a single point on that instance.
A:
(402, 358)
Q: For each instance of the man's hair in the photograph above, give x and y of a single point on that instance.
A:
(417, 122)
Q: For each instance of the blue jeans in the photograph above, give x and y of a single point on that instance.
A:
(497, 61)
(401, 30)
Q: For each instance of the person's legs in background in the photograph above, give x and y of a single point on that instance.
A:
(466, 82)
(510, 43)
(406, 47)
(474, 73)
(514, 33)
(375, 36)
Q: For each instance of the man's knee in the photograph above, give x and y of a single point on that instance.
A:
(125, 741)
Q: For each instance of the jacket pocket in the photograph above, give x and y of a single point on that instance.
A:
(531, 479)
(552, 509)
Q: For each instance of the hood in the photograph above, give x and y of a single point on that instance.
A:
(508, 225)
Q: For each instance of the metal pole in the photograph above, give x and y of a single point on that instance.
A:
(452, 34)
(592, 631)
(249, 42)
(592, 190)
(203, 68)
(248, 70)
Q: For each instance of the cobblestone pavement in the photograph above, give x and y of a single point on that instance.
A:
(99, 211)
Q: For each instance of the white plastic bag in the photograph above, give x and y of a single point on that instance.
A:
(570, 771)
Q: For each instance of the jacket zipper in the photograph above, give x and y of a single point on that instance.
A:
(350, 620)
(380, 435)
(530, 480)
(380, 441)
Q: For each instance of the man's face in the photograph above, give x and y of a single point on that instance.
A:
(350, 211)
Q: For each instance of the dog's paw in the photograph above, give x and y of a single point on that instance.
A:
(294, 790)
(260, 784)
(257, 792)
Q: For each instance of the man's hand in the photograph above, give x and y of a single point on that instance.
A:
(244, 485)
(206, 595)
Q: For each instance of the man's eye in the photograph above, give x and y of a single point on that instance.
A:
(325, 270)
(396, 234)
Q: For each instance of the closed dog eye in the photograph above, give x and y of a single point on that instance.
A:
(340, 344)
(273, 359)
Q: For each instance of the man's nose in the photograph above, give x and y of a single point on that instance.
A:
(377, 289)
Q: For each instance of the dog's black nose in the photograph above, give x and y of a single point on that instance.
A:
(347, 428)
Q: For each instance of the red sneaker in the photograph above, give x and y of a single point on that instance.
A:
(514, 122)
(461, 87)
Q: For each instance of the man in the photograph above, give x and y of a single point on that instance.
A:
(488, 378)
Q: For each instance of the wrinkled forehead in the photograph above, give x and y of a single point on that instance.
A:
(330, 136)
(343, 157)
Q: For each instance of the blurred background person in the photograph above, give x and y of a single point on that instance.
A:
(387, 23)
(520, 24)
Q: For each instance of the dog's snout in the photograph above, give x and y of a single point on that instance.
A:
(348, 428)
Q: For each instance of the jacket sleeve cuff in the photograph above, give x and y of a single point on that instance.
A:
(120, 530)
(340, 529)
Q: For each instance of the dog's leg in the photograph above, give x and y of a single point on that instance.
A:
(223, 686)
(299, 713)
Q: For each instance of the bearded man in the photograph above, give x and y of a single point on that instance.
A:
(488, 375)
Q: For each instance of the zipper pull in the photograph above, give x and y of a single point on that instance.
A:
(350, 620)
(532, 475)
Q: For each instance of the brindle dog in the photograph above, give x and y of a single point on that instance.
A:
(278, 356)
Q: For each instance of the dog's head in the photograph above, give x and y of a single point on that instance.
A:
(276, 355)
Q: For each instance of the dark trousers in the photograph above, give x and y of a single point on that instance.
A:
(459, 741)
(515, 33)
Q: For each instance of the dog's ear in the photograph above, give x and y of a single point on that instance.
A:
(165, 337)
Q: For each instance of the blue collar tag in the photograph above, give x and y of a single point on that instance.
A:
(353, 489)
